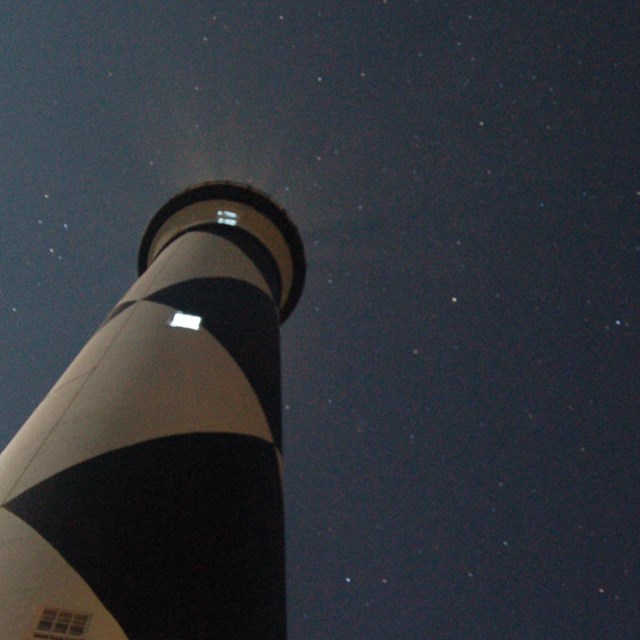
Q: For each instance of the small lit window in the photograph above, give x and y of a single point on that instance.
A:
(228, 217)
(60, 624)
(185, 321)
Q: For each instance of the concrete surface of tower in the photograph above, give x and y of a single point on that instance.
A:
(142, 500)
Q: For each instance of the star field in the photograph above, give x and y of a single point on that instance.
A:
(460, 390)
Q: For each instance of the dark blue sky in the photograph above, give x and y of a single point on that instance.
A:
(460, 386)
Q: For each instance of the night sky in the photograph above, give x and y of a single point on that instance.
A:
(459, 378)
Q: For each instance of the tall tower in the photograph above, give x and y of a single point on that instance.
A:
(142, 500)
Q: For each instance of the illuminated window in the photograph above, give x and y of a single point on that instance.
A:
(60, 624)
(228, 217)
(185, 321)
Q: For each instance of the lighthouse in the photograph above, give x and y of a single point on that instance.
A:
(142, 500)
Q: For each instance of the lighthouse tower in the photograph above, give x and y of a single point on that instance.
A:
(142, 500)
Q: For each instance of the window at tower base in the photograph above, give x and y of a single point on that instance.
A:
(185, 321)
(60, 624)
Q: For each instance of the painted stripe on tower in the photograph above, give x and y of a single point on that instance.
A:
(244, 320)
(179, 537)
(249, 329)
(151, 381)
(251, 247)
